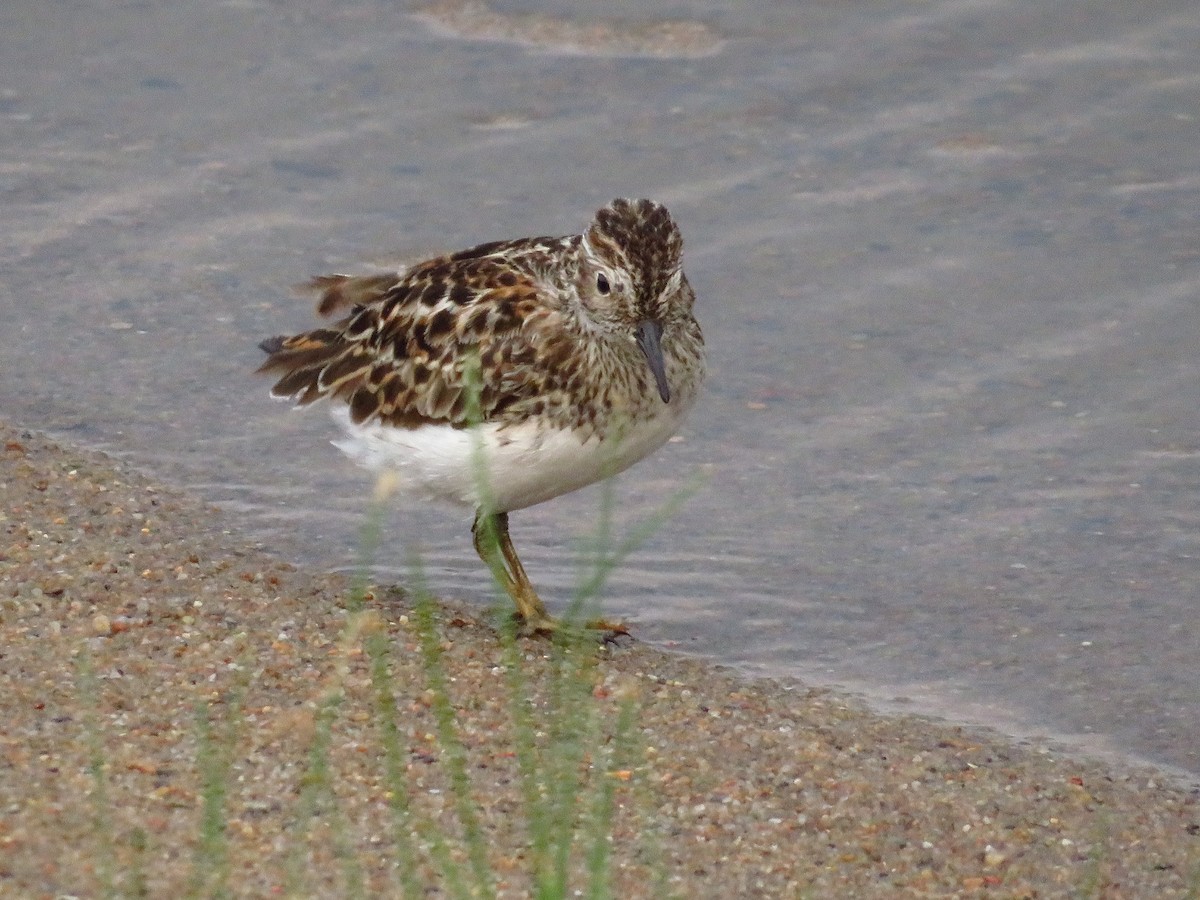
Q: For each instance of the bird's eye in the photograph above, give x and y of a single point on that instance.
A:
(602, 284)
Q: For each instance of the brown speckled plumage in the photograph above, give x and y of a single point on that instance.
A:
(589, 335)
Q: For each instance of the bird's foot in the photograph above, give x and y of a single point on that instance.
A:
(615, 634)
(536, 626)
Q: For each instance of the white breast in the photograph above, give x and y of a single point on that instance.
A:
(521, 464)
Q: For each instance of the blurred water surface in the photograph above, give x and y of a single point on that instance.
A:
(948, 260)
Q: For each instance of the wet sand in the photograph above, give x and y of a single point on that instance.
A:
(738, 788)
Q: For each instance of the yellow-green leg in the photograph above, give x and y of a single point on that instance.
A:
(507, 568)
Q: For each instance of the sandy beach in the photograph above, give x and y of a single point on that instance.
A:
(127, 607)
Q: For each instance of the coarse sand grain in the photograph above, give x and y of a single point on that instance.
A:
(150, 652)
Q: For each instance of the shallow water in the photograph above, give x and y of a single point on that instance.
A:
(948, 260)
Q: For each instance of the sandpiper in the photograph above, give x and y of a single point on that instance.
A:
(509, 373)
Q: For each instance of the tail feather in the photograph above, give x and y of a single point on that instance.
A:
(351, 365)
(344, 292)
(301, 384)
(324, 362)
(315, 365)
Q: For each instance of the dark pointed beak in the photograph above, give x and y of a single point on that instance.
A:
(649, 337)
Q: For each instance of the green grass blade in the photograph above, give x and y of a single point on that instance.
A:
(452, 746)
(316, 785)
(395, 776)
(599, 885)
(101, 805)
(378, 649)
(520, 708)
(210, 868)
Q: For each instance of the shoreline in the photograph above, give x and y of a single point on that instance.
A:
(755, 787)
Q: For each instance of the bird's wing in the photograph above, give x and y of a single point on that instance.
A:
(457, 339)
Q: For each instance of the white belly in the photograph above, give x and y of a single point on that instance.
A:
(520, 465)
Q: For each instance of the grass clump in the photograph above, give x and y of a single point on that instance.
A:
(570, 753)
